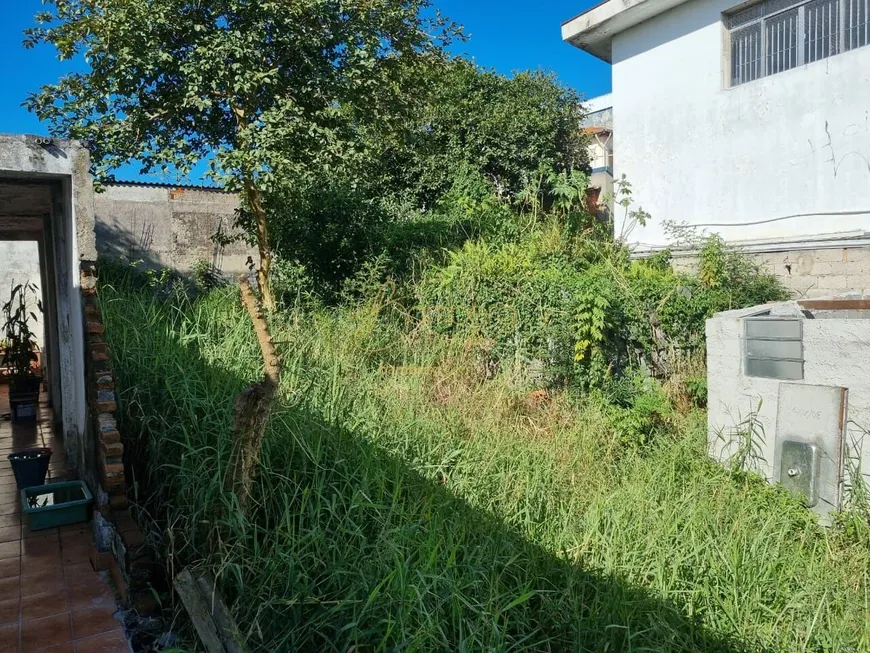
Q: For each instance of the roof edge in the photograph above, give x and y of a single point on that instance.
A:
(594, 29)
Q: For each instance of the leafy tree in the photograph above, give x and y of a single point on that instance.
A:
(264, 90)
(507, 129)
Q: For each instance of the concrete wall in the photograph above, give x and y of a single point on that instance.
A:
(794, 143)
(69, 240)
(835, 354)
(19, 263)
(809, 273)
(168, 227)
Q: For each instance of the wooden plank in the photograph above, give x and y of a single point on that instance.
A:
(215, 626)
(836, 304)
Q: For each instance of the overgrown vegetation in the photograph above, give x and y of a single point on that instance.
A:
(413, 496)
(489, 431)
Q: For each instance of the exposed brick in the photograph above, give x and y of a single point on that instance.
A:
(107, 422)
(92, 309)
(118, 579)
(112, 450)
(125, 522)
(133, 538)
(113, 470)
(106, 382)
(109, 437)
(95, 326)
(110, 484)
(100, 560)
(106, 401)
(99, 368)
(99, 351)
(119, 502)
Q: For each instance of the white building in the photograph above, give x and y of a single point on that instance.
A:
(749, 120)
(598, 125)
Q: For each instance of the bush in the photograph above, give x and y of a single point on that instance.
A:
(581, 308)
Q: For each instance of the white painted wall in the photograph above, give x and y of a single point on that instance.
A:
(19, 263)
(793, 143)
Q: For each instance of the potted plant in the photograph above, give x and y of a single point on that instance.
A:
(19, 351)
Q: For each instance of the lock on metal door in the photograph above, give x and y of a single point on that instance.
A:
(799, 470)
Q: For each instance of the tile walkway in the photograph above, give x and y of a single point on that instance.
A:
(51, 599)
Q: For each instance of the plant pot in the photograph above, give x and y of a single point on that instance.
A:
(30, 467)
(24, 407)
(24, 397)
(25, 385)
(56, 504)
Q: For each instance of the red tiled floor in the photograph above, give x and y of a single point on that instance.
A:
(93, 621)
(112, 642)
(69, 647)
(51, 599)
(47, 604)
(45, 632)
(10, 567)
(9, 610)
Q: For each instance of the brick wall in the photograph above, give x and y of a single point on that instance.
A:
(810, 273)
(119, 543)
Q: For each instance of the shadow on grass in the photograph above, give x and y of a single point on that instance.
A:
(347, 547)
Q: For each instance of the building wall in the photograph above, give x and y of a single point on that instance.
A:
(792, 144)
(809, 273)
(71, 241)
(168, 227)
(19, 263)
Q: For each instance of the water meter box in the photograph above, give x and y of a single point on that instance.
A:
(809, 450)
(776, 381)
(800, 468)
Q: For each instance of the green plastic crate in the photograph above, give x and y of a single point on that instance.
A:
(56, 504)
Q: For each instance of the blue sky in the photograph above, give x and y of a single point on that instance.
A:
(506, 35)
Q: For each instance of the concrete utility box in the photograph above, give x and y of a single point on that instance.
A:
(789, 396)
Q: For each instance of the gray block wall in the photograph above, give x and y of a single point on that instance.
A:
(810, 273)
(172, 227)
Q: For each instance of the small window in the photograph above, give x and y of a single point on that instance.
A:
(776, 35)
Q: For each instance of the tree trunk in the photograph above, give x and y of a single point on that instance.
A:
(255, 200)
(253, 405)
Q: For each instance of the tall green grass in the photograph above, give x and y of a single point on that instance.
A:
(406, 503)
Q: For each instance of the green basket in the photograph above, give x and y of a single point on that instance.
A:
(56, 504)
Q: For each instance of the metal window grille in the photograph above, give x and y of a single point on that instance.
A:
(776, 35)
(822, 19)
(857, 20)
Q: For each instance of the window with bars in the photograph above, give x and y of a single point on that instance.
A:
(776, 35)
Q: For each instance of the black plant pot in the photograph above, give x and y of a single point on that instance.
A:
(30, 467)
(25, 385)
(24, 397)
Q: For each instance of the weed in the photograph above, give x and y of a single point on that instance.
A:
(408, 501)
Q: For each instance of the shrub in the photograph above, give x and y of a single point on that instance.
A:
(581, 308)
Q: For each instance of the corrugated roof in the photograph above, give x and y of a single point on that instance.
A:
(156, 184)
